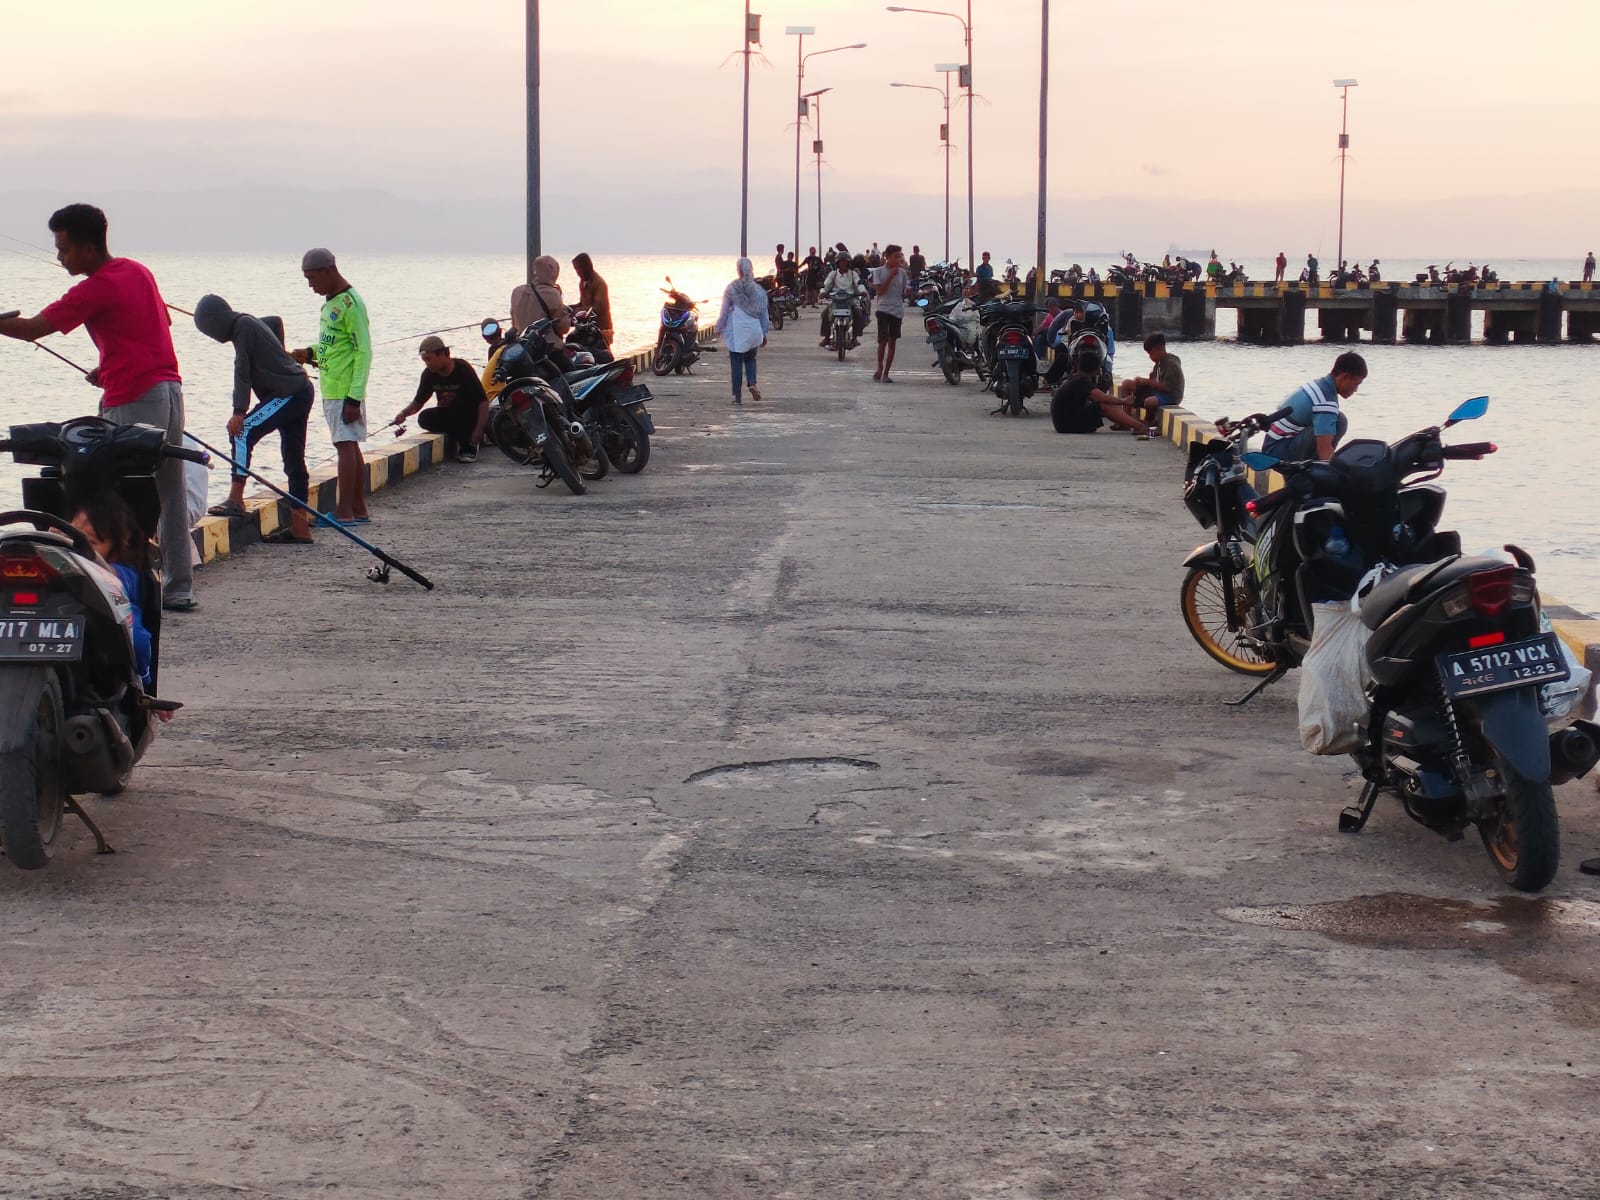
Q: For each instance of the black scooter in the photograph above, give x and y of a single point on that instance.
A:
(74, 714)
(1014, 375)
(1457, 659)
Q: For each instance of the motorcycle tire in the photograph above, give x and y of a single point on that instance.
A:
(1205, 616)
(776, 318)
(510, 439)
(559, 462)
(627, 443)
(952, 373)
(1524, 838)
(33, 799)
(1014, 395)
(666, 357)
(841, 343)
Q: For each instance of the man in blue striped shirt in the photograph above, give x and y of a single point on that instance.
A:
(1315, 426)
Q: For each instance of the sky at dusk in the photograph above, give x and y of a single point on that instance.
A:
(1194, 122)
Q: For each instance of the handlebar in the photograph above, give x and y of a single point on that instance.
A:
(9, 313)
(1255, 423)
(1470, 450)
(183, 452)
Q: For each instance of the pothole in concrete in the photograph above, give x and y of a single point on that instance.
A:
(768, 772)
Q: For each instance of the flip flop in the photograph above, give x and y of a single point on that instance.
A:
(186, 604)
(226, 508)
(286, 537)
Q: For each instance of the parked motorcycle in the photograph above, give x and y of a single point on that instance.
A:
(678, 341)
(534, 421)
(1246, 597)
(585, 335)
(612, 406)
(957, 343)
(1008, 328)
(75, 716)
(1457, 725)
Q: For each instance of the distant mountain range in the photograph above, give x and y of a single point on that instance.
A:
(632, 220)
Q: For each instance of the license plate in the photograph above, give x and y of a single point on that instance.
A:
(842, 312)
(30, 639)
(1014, 352)
(1496, 668)
(937, 339)
(637, 394)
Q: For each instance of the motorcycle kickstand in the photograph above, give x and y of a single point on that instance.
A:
(101, 846)
(1354, 818)
(1277, 674)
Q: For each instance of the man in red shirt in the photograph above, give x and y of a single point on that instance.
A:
(120, 305)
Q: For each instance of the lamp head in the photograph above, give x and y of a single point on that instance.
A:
(1341, 83)
(803, 30)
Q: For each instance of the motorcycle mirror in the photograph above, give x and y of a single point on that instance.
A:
(1258, 461)
(1468, 410)
(922, 302)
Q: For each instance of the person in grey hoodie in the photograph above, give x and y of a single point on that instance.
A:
(262, 365)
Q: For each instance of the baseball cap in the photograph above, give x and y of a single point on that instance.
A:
(432, 344)
(316, 259)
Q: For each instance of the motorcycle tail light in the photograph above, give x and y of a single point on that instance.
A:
(627, 375)
(931, 326)
(1013, 337)
(1455, 602)
(1522, 590)
(24, 564)
(25, 599)
(1490, 591)
(1486, 639)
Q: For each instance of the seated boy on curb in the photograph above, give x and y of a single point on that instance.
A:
(1163, 386)
(1078, 406)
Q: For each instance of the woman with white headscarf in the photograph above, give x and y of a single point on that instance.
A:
(742, 325)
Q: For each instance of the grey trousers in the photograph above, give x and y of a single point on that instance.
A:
(162, 406)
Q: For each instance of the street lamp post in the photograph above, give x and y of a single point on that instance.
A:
(1344, 86)
(752, 36)
(966, 29)
(801, 32)
(1044, 142)
(532, 65)
(944, 137)
(816, 148)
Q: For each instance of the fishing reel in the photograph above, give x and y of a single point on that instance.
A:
(379, 573)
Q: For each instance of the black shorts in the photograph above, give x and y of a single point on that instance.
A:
(888, 327)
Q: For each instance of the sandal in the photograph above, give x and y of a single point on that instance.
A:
(185, 604)
(227, 508)
(286, 537)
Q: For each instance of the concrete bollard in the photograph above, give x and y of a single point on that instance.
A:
(1128, 319)
(1193, 321)
(1458, 314)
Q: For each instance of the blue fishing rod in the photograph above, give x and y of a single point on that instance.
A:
(378, 574)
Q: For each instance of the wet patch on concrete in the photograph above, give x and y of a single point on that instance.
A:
(769, 772)
(1549, 942)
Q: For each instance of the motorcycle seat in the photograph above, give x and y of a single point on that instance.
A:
(589, 372)
(1395, 592)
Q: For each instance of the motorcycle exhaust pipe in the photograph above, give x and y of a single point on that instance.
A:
(1574, 751)
(98, 752)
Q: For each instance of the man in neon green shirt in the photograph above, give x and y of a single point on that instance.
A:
(343, 355)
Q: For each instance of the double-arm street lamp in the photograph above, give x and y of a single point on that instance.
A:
(800, 33)
(944, 137)
(966, 80)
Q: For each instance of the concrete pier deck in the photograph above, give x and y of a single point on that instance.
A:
(837, 809)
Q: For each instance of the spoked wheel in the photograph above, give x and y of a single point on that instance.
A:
(952, 373)
(776, 318)
(558, 463)
(666, 357)
(841, 341)
(1206, 615)
(33, 799)
(1524, 837)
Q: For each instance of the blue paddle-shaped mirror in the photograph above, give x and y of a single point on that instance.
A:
(1258, 461)
(1468, 410)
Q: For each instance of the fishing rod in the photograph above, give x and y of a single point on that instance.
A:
(429, 333)
(378, 574)
(55, 263)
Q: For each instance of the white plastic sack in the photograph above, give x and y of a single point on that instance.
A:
(1333, 703)
(1567, 700)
